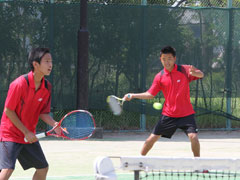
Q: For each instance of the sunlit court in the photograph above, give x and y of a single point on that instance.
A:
(75, 159)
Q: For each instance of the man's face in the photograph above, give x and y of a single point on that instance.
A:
(45, 66)
(168, 61)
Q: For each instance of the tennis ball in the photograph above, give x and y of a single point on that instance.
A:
(157, 105)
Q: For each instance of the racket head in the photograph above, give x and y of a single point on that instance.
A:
(115, 104)
(76, 125)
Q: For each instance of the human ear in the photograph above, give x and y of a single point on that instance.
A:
(35, 64)
(175, 58)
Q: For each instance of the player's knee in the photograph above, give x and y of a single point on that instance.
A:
(152, 139)
(45, 170)
(193, 137)
(42, 171)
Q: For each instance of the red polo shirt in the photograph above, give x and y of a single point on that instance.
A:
(176, 91)
(28, 105)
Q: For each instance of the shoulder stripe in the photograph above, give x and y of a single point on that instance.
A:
(182, 70)
(179, 68)
(26, 78)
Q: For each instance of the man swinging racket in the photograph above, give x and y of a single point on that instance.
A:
(177, 112)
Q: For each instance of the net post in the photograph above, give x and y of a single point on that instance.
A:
(136, 174)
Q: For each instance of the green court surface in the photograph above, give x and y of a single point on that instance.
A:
(70, 160)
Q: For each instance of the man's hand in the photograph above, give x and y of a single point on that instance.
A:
(192, 70)
(128, 97)
(31, 137)
(58, 130)
(195, 72)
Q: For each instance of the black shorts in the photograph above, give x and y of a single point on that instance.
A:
(167, 126)
(28, 155)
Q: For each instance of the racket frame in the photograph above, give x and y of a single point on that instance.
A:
(48, 133)
(120, 100)
(62, 135)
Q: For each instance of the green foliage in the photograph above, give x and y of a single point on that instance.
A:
(124, 45)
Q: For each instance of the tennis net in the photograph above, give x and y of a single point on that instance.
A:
(178, 168)
(182, 168)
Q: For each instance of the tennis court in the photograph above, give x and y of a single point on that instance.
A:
(70, 160)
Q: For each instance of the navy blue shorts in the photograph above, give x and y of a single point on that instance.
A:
(28, 155)
(167, 126)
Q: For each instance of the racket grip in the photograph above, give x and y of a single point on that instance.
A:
(39, 136)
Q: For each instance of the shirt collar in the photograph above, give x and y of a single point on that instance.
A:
(31, 81)
(174, 69)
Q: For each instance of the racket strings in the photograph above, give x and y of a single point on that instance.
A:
(115, 105)
(78, 133)
(78, 125)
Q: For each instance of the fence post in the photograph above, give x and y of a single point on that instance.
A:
(143, 68)
(229, 64)
(51, 42)
(82, 63)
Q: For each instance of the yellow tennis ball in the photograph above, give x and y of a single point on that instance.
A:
(157, 105)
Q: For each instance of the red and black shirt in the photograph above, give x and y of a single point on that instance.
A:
(28, 105)
(176, 91)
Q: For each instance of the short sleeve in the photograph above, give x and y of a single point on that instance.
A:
(13, 96)
(155, 87)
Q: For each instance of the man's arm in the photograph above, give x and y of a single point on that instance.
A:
(145, 95)
(196, 72)
(30, 136)
(50, 121)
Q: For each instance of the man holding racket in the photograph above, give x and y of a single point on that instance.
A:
(177, 112)
(28, 99)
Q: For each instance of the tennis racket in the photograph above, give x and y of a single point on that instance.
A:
(116, 104)
(75, 125)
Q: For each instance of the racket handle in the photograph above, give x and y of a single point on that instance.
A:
(39, 136)
(128, 96)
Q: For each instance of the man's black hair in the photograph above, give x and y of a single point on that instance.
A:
(36, 54)
(168, 50)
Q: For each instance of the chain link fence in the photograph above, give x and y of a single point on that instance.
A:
(124, 46)
(173, 3)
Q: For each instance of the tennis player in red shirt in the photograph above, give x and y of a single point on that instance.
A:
(28, 99)
(177, 111)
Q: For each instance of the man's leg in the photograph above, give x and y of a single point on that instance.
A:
(40, 174)
(8, 155)
(5, 174)
(149, 143)
(193, 137)
(32, 156)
